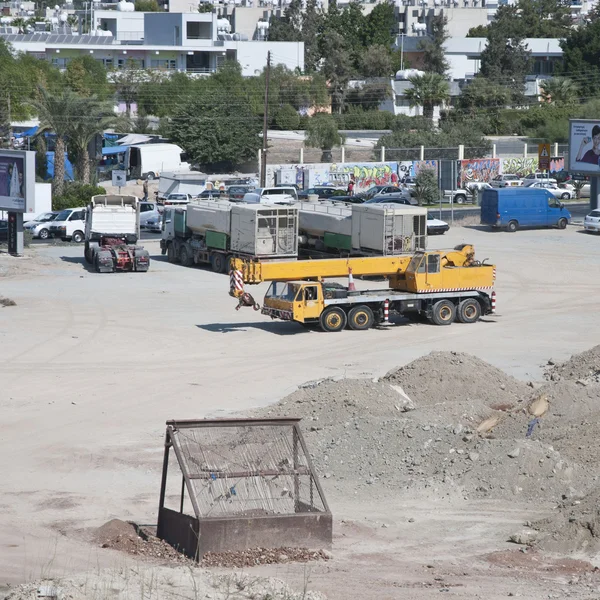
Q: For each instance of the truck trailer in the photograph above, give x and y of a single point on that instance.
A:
(214, 232)
(329, 229)
(112, 230)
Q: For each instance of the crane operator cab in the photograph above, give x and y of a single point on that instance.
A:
(294, 300)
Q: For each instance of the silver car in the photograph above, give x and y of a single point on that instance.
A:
(557, 192)
(592, 221)
(40, 226)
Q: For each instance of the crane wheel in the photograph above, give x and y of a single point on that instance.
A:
(333, 319)
(469, 311)
(443, 312)
(360, 317)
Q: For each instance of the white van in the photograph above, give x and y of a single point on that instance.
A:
(69, 225)
(148, 161)
(274, 195)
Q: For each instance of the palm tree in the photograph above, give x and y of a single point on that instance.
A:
(19, 22)
(93, 117)
(560, 91)
(428, 90)
(55, 111)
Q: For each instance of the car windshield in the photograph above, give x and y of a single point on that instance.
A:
(282, 291)
(63, 215)
(594, 213)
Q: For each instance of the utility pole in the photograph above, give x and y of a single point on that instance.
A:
(10, 131)
(263, 162)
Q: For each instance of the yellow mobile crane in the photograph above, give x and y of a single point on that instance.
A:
(443, 285)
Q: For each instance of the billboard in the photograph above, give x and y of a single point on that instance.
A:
(584, 146)
(17, 180)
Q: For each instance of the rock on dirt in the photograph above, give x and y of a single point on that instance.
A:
(261, 556)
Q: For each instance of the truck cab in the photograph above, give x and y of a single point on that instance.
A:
(300, 301)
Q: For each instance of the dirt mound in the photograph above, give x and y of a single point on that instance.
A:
(456, 376)
(574, 529)
(126, 537)
(376, 437)
(584, 366)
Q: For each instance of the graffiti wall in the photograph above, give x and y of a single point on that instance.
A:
(365, 174)
(557, 163)
(478, 170)
(519, 166)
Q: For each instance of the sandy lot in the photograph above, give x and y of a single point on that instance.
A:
(93, 365)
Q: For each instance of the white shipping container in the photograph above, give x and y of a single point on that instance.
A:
(316, 218)
(388, 229)
(209, 215)
(264, 230)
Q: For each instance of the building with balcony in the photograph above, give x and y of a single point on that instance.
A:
(187, 42)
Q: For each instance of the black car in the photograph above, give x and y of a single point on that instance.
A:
(3, 231)
(237, 192)
(323, 191)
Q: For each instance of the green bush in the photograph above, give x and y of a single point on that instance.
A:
(287, 118)
(76, 194)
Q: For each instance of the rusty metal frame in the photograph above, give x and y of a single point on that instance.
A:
(175, 526)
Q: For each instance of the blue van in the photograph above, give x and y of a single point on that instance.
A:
(514, 207)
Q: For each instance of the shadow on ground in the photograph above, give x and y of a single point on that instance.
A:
(276, 327)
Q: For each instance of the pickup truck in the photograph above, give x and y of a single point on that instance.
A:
(466, 195)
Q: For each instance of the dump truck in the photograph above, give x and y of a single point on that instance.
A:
(442, 285)
(112, 231)
(214, 232)
(334, 229)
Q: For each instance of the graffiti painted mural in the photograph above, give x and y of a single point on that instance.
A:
(478, 170)
(519, 166)
(365, 175)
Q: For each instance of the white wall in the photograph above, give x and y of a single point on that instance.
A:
(253, 55)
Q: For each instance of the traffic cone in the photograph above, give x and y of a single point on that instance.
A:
(351, 286)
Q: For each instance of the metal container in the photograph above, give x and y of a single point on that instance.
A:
(209, 215)
(388, 229)
(264, 231)
(317, 219)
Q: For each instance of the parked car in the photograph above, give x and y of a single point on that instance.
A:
(209, 195)
(534, 177)
(288, 185)
(568, 180)
(323, 191)
(237, 192)
(553, 188)
(591, 221)
(3, 231)
(436, 226)
(154, 223)
(517, 207)
(69, 225)
(376, 190)
(506, 180)
(39, 227)
(273, 195)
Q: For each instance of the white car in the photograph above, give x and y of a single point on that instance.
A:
(592, 221)
(506, 180)
(274, 195)
(534, 177)
(40, 226)
(436, 226)
(557, 192)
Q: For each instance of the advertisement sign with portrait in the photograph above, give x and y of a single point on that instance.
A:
(584, 146)
(17, 180)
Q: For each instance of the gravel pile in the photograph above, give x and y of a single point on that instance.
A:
(584, 367)
(123, 536)
(452, 425)
(574, 529)
(262, 556)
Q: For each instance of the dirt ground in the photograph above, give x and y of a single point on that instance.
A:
(93, 365)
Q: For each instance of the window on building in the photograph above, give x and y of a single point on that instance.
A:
(402, 101)
(60, 63)
(163, 64)
(197, 30)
